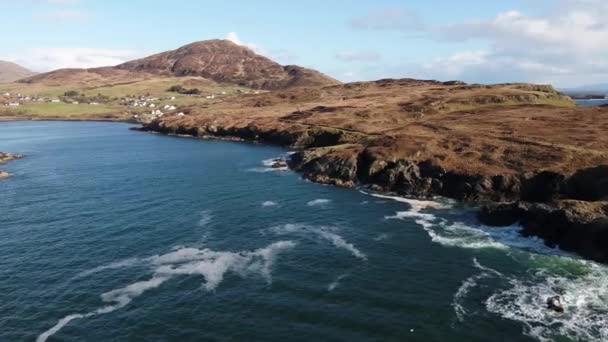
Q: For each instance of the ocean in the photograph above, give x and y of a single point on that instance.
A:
(108, 234)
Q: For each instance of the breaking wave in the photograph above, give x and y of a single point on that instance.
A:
(208, 264)
(269, 204)
(582, 285)
(324, 232)
(318, 202)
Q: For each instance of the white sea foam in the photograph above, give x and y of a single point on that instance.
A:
(331, 287)
(467, 285)
(209, 264)
(325, 232)
(269, 204)
(268, 163)
(582, 285)
(318, 202)
(585, 299)
(131, 262)
(416, 205)
(205, 218)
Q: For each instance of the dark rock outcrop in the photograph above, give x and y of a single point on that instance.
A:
(5, 157)
(574, 226)
(562, 207)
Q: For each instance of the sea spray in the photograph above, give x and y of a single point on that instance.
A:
(211, 265)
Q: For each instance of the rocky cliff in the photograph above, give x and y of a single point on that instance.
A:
(523, 145)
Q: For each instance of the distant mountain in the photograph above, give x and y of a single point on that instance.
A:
(218, 60)
(11, 72)
(227, 62)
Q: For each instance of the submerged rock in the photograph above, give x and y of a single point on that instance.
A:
(279, 164)
(555, 304)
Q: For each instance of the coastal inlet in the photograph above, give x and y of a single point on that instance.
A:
(111, 235)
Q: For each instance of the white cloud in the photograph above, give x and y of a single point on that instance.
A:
(358, 56)
(45, 59)
(566, 46)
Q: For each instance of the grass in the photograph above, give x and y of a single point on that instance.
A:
(156, 87)
(63, 110)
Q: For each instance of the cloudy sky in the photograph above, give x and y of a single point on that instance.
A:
(563, 42)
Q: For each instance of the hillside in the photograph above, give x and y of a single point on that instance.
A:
(226, 62)
(86, 77)
(219, 60)
(11, 72)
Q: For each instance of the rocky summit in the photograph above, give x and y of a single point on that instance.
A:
(218, 60)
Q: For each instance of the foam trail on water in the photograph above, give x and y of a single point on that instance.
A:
(318, 202)
(211, 265)
(331, 287)
(324, 232)
(467, 285)
(416, 205)
(205, 219)
(131, 262)
(269, 204)
(339, 242)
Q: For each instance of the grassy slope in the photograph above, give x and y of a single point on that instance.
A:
(111, 110)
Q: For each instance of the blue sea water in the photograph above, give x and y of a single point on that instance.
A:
(108, 234)
(591, 103)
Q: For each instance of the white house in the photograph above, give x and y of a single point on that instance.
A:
(55, 101)
(180, 114)
(13, 104)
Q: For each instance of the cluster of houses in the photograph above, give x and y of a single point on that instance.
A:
(16, 100)
(158, 110)
(143, 101)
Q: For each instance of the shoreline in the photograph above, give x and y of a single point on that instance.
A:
(542, 204)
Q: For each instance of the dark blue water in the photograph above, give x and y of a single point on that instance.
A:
(591, 103)
(112, 235)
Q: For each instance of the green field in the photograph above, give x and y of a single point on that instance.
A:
(63, 110)
(156, 87)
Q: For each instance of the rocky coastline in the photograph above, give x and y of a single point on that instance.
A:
(6, 157)
(569, 211)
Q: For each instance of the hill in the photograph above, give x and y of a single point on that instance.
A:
(11, 72)
(219, 60)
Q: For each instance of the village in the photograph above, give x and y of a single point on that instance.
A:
(142, 108)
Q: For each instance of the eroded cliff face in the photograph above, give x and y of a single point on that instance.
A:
(480, 144)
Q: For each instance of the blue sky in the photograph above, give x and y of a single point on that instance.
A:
(564, 42)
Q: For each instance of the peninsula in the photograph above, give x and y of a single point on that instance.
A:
(525, 153)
